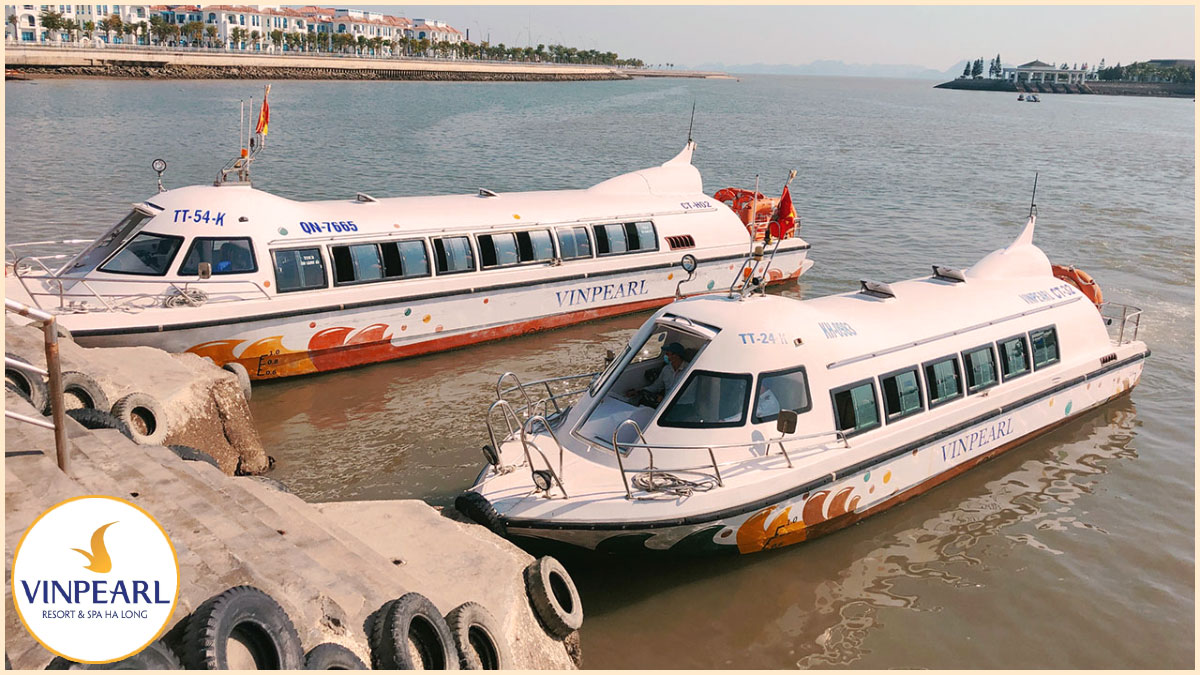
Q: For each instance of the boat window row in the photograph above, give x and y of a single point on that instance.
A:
(298, 268)
(945, 379)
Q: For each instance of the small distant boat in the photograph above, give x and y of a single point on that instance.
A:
(1033, 98)
(1020, 97)
(12, 74)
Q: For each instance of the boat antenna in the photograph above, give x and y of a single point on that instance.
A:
(1033, 198)
(691, 121)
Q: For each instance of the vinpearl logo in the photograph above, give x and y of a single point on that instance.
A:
(95, 579)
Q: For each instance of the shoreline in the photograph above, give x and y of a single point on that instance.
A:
(1157, 89)
(123, 63)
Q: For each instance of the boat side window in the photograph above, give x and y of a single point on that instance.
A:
(854, 407)
(227, 256)
(535, 245)
(497, 250)
(1014, 357)
(781, 390)
(453, 255)
(146, 254)
(901, 394)
(709, 400)
(298, 269)
(943, 380)
(615, 238)
(573, 243)
(980, 364)
(378, 261)
(1045, 347)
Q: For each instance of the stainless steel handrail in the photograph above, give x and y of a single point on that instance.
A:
(519, 387)
(178, 286)
(525, 443)
(1128, 313)
(54, 375)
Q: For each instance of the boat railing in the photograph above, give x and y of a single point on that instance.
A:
(53, 374)
(533, 401)
(809, 444)
(173, 293)
(1122, 321)
(522, 430)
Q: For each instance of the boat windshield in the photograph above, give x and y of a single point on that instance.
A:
(147, 254)
(638, 389)
(103, 247)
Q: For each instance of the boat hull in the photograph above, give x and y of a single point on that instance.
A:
(306, 342)
(837, 501)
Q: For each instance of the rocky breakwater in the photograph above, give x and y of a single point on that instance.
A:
(385, 71)
(187, 401)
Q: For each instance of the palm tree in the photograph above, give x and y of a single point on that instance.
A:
(158, 28)
(254, 35)
(51, 20)
(16, 23)
(211, 33)
(129, 29)
(71, 26)
(89, 29)
(193, 31)
(277, 38)
(114, 24)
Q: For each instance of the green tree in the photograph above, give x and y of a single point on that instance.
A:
(977, 68)
(966, 70)
(52, 21)
(211, 33)
(276, 37)
(72, 27)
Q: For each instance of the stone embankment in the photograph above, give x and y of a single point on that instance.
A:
(1164, 89)
(36, 61)
(331, 567)
(202, 406)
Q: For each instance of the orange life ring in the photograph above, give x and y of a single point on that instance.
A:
(1081, 280)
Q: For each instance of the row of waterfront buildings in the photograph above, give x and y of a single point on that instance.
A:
(24, 24)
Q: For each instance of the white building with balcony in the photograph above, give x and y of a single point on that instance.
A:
(1039, 72)
(27, 26)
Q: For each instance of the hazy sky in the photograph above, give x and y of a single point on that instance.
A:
(935, 37)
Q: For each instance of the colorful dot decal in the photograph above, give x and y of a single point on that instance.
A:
(438, 329)
(1068, 409)
(1051, 403)
(407, 312)
(312, 324)
(871, 491)
(887, 476)
(283, 231)
(867, 477)
(516, 216)
(403, 327)
(427, 318)
(396, 225)
(485, 301)
(711, 284)
(670, 276)
(267, 284)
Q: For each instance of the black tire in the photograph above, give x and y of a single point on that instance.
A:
(476, 507)
(481, 645)
(29, 385)
(189, 454)
(377, 636)
(156, 656)
(248, 616)
(143, 414)
(554, 597)
(80, 387)
(412, 635)
(329, 656)
(98, 419)
(242, 374)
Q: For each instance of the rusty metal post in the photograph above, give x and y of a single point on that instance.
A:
(57, 408)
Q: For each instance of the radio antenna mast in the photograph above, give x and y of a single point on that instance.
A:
(1033, 198)
(691, 121)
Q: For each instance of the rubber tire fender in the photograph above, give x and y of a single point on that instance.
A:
(28, 385)
(554, 597)
(189, 454)
(91, 418)
(476, 507)
(148, 410)
(412, 618)
(330, 656)
(156, 656)
(86, 389)
(481, 645)
(243, 376)
(255, 618)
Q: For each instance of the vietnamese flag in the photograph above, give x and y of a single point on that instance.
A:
(264, 115)
(783, 221)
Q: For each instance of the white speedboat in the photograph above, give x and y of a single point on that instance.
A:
(786, 419)
(285, 287)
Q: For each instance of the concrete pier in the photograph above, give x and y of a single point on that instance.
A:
(330, 566)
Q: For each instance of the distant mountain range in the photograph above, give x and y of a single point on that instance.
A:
(839, 69)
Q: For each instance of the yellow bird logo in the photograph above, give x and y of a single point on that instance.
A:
(98, 559)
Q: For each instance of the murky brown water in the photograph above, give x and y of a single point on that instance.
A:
(1073, 551)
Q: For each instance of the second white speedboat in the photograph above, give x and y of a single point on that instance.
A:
(780, 420)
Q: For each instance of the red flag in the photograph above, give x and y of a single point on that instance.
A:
(783, 221)
(264, 115)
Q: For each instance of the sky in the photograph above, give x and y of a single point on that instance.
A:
(934, 37)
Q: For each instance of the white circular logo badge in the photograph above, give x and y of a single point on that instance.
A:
(95, 579)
